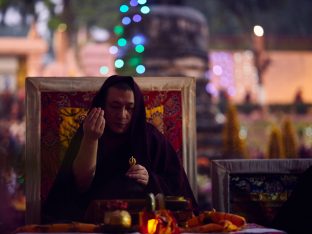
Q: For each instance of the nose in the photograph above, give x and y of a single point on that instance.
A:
(122, 113)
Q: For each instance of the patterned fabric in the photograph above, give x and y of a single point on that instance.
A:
(265, 193)
(63, 112)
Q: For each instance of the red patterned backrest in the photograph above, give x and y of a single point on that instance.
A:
(62, 113)
(55, 107)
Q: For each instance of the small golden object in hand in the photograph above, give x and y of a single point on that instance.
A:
(132, 161)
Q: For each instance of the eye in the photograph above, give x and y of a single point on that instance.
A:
(114, 106)
(130, 108)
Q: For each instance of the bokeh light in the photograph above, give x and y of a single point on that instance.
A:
(123, 8)
(217, 70)
(141, 2)
(134, 3)
(134, 61)
(139, 48)
(145, 9)
(138, 39)
(118, 30)
(140, 69)
(104, 70)
(122, 42)
(113, 49)
(119, 63)
(137, 18)
(258, 30)
(126, 20)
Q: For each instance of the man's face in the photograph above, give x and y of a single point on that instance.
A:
(119, 109)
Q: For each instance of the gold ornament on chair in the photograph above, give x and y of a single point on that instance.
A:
(132, 161)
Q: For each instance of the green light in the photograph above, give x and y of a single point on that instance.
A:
(118, 30)
(134, 61)
(104, 70)
(139, 48)
(122, 42)
(119, 63)
(145, 9)
(123, 8)
(140, 69)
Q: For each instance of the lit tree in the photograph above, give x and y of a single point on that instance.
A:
(130, 41)
(233, 146)
(275, 146)
(289, 139)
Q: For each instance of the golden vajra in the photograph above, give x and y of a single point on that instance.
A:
(132, 161)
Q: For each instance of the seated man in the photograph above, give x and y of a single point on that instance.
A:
(115, 154)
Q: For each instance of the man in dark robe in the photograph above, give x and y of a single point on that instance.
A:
(96, 166)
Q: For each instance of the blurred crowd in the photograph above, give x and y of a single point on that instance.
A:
(12, 159)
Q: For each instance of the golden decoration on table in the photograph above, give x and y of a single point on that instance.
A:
(120, 218)
(132, 161)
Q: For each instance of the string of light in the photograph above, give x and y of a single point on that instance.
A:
(128, 50)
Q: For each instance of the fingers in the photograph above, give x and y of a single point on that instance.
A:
(94, 123)
(138, 173)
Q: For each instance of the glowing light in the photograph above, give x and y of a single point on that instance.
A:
(210, 88)
(138, 39)
(217, 70)
(134, 61)
(119, 63)
(258, 30)
(126, 20)
(145, 9)
(134, 3)
(122, 42)
(137, 18)
(12, 17)
(142, 2)
(140, 69)
(243, 133)
(113, 50)
(118, 30)
(99, 34)
(139, 48)
(123, 8)
(104, 70)
(152, 225)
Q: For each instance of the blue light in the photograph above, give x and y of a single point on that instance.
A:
(104, 70)
(145, 9)
(122, 42)
(142, 2)
(134, 3)
(126, 20)
(113, 50)
(119, 63)
(140, 69)
(137, 18)
(123, 8)
(138, 39)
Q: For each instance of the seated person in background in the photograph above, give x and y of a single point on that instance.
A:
(295, 215)
(100, 158)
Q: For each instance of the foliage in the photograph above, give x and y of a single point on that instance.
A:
(96, 12)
